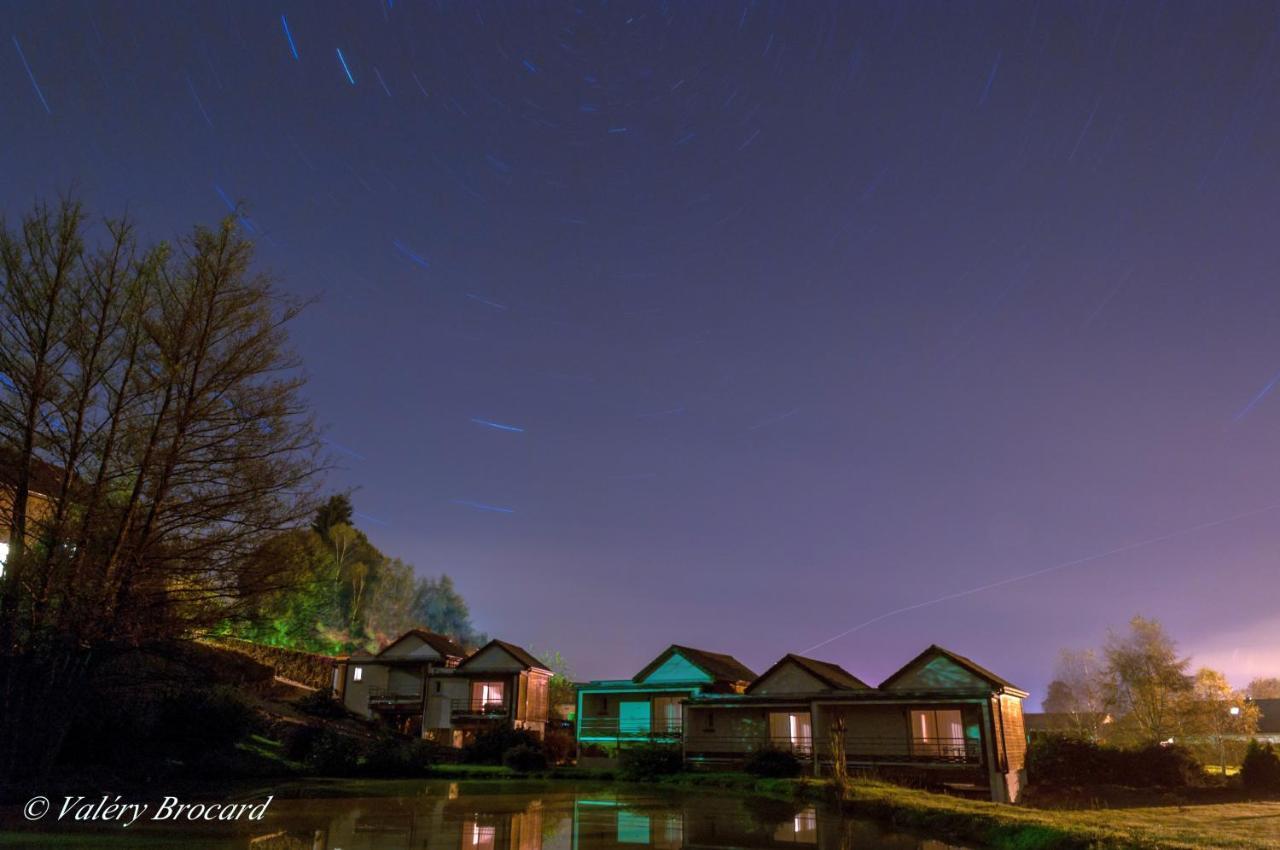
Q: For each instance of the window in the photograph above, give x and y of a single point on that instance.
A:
(708, 721)
(437, 687)
(486, 696)
(4, 554)
(791, 731)
(357, 673)
(938, 733)
(667, 715)
(483, 837)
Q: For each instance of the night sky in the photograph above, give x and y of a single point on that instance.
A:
(737, 325)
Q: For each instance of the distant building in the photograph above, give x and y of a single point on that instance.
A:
(425, 685)
(940, 720)
(649, 706)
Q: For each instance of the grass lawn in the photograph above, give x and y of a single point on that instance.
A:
(1254, 824)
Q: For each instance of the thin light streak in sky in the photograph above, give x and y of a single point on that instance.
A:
(1262, 393)
(1129, 547)
(31, 76)
(293, 48)
(343, 60)
(481, 506)
(498, 426)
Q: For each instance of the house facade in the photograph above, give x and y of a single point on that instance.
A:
(940, 720)
(425, 685)
(612, 713)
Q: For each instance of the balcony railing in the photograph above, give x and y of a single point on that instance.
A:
(611, 728)
(381, 698)
(857, 749)
(490, 708)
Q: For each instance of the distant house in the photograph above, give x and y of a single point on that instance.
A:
(649, 706)
(44, 480)
(425, 685)
(1268, 720)
(941, 719)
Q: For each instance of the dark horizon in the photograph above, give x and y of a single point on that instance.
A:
(743, 326)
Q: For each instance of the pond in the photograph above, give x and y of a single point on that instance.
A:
(443, 815)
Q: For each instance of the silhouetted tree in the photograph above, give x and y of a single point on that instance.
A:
(151, 394)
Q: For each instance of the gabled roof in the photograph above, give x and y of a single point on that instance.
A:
(966, 663)
(439, 643)
(519, 653)
(832, 675)
(45, 479)
(717, 665)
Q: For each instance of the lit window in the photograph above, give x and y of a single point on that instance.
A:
(4, 554)
(357, 673)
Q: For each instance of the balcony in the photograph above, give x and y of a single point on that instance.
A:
(479, 709)
(381, 698)
(611, 729)
(865, 750)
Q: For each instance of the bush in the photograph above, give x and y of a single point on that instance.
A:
(773, 763)
(1066, 761)
(559, 746)
(332, 754)
(321, 703)
(388, 756)
(1260, 770)
(649, 761)
(491, 745)
(525, 758)
(298, 742)
(205, 719)
(595, 751)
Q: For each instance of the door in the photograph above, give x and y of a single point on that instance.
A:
(633, 718)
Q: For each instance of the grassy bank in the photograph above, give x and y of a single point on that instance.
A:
(1250, 824)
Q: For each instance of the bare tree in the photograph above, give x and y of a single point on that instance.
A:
(152, 394)
(1078, 692)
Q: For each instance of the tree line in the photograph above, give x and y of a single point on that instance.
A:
(1138, 690)
(343, 593)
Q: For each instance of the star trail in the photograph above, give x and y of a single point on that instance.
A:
(741, 325)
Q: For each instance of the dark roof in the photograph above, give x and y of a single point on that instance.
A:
(439, 643)
(831, 675)
(968, 664)
(1268, 715)
(519, 653)
(717, 665)
(45, 478)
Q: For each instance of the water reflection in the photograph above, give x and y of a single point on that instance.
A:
(444, 819)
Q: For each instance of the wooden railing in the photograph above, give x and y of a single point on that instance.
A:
(478, 708)
(857, 749)
(382, 698)
(611, 728)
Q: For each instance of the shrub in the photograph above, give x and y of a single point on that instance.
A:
(196, 721)
(649, 761)
(1059, 760)
(388, 756)
(321, 703)
(773, 763)
(595, 751)
(525, 758)
(332, 754)
(490, 746)
(1260, 770)
(298, 742)
(559, 746)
